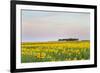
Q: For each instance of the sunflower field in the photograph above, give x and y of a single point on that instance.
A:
(54, 51)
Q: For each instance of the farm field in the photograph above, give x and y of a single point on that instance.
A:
(54, 51)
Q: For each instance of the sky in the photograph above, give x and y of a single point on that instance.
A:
(53, 25)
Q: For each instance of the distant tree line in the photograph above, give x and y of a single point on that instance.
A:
(69, 39)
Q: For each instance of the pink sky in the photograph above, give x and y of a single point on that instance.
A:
(51, 26)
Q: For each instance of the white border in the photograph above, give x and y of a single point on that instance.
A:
(20, 65)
